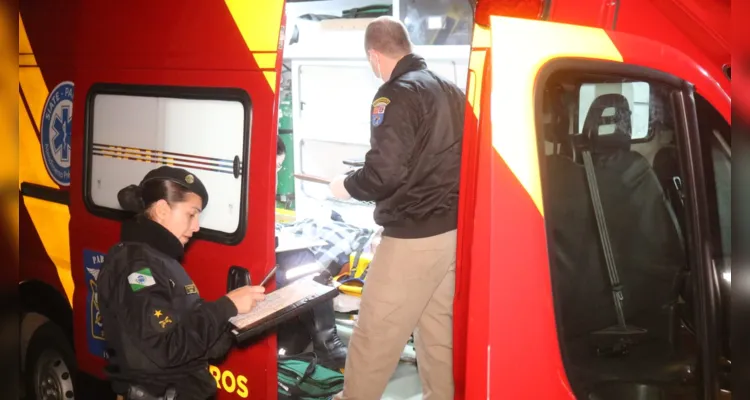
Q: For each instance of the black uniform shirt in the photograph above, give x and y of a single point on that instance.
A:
(159, 331)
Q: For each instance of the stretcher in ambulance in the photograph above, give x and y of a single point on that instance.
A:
(594, 246)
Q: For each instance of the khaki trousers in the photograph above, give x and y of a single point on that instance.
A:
(409, 288)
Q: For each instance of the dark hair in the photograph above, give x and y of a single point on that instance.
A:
(280, 146)
(140, 198)
(388, 36)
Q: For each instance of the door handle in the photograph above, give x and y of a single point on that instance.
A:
(237, 278)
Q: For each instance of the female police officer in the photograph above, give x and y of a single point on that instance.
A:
(160, 333)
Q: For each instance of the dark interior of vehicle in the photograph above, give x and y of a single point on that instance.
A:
(632, 257)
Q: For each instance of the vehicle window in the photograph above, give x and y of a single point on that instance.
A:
(438, 22)
(617, 249)
(133, 134)
(715, 133)
(716, 144)
(721, 213)
(637, 94)
(722, 177)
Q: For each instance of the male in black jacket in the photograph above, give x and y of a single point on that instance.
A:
(411, 173)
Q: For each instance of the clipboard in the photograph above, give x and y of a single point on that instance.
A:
(280, 306)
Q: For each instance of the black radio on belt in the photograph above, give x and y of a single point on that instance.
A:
(136, 392)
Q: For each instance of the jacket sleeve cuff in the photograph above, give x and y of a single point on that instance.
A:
(226, 308)
(351, 186)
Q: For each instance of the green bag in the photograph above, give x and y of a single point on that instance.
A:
(301, 378)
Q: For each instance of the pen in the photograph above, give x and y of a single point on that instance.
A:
(268, 277)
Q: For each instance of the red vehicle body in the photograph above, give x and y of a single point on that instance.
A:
(506, 342)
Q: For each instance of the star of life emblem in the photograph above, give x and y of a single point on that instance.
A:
(56, 129)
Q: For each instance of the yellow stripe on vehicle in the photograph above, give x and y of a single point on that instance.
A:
(31, 168)
(259, 23)
(51, 222)
(520, 48)
(26, 60)
(50, 219)
(30, 77)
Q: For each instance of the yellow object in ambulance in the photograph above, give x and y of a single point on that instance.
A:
(351, 282)
(285, 216)
(356, 271)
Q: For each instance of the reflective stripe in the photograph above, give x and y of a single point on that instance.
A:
(50, 219)
(30, 78)
(519, 49)
(259, 23)
(51, 222)
(30, 151)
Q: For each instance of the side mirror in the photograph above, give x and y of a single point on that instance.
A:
(237, 278)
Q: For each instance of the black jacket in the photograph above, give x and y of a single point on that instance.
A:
(159, 331)
(414, 162)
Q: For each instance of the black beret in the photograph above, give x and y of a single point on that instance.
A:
(184, 178)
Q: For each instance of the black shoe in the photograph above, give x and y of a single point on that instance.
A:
(320, 323)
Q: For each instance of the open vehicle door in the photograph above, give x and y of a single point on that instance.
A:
(593, 176)
(209, 107)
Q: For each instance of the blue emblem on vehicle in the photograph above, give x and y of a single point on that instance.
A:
(92, 261)
(57, 119)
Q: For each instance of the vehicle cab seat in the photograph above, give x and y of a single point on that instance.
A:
(645, 243)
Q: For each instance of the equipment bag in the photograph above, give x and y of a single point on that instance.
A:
(301, 378)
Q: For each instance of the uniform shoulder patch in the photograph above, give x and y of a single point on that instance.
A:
(191, 289)
(378, 110)
(141, 279)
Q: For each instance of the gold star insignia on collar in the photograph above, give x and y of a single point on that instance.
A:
(157, 313)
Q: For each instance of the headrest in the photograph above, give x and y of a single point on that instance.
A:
(555, 115)
(620, 118)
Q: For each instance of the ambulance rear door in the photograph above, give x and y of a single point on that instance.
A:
(192, 86)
